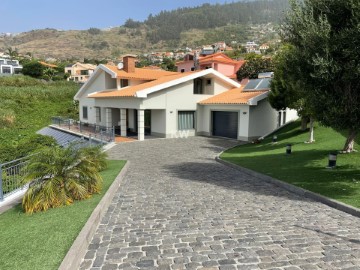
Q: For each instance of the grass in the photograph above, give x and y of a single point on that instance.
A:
(305, 167)
(41, 241)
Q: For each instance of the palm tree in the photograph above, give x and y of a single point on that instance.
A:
(58, 176)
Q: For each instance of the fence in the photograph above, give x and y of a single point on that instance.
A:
(11, 175)
(104, 134)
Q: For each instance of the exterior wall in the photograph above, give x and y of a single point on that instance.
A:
(131, 119)
(291, 115)
(158, 123)
(204, 124)
(263, 119)
(115, 116)
(227, 70)
(179, 98)
(186, 65)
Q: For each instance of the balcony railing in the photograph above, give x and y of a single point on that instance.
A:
(93, 131)
(11, 176)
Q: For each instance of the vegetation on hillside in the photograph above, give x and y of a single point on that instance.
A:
(168, 25)
(167, 30)
(26, 106)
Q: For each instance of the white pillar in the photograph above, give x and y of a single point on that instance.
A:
(108, 115)
(123, 126)
(98, 117)
(141, 125)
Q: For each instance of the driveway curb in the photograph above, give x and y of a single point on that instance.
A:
(78, 249)
(294, 189)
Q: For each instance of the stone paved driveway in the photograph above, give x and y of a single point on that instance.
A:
(179, 209)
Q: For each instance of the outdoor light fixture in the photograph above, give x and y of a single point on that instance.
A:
(332, 161)
(288, 149)
(274, 140)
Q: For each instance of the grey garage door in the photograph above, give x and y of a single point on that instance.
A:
(225, 124)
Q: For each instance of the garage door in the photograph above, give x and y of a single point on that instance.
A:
(225, 124)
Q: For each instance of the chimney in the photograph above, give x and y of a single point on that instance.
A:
(129, 63)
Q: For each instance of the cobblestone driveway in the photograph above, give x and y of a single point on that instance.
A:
(179, 209)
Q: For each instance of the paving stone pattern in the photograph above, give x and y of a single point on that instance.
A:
(179, 209)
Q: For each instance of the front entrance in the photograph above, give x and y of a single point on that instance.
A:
(225, 124)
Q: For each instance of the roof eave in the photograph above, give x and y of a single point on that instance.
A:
(254, 101)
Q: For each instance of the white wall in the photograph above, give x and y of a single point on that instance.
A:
(291, 115)
(158, 122)
(180, 98)
(263, 119)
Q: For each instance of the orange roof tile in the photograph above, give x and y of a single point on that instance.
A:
(47, 65)
(131, 90)
(140, 73)
(233, 96)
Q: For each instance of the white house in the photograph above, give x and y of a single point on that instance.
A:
(9, 66)
(167, 104)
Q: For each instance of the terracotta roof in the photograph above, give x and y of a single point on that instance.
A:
(131, 90)
(140, 73)
(47, 65)
(233, 96)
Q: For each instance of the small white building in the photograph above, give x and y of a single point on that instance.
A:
(10, 66)
(168, 104)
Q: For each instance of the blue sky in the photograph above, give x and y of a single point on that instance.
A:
(24, 15)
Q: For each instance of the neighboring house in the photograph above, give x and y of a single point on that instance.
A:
(218, 61)
(80, 72)
(252, 47)
(264, 47)
(171, 104)
(9, 66)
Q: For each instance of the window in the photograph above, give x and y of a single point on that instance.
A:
(124, 83)
(208, 82)
(17, 70)
(85, 112)
(186, 120)
(198, 86)
(6, 70)
(84, 72)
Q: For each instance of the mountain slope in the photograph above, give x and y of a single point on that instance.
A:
(167, 30)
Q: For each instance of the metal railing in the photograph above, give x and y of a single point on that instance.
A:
(93, 131)
(11, 176)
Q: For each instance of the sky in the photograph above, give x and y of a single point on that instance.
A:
(25, 15)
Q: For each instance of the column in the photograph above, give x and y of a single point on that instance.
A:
(123, 126)
(141, 125)
(108, 115)
(98, 115)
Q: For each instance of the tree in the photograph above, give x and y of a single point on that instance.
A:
(287, 90)
(33, 69)
(59, 176)
(323, 34)
(12, 52)
(48, 73)
(254, 65)
(94, 31)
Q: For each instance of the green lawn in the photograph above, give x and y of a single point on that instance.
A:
(42, 240)
(305, 167)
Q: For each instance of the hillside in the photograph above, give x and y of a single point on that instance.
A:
(27, 105)
(183, 27)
